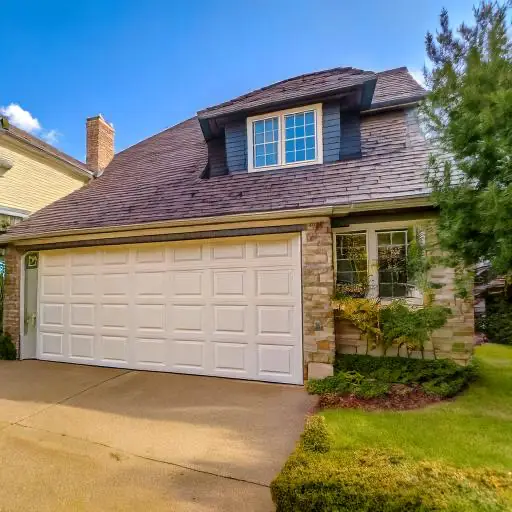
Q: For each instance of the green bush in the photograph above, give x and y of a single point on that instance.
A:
(7, 348)
(372, 480)
(316, 436)
(442, 377)
(346, 383)
(497, 322)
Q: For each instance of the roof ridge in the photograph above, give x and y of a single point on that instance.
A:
(279, 82)
(393, 70)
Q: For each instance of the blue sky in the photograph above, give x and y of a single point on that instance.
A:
(146, 65)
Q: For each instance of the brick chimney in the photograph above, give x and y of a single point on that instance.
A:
(100, 143)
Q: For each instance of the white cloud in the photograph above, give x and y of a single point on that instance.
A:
(23, 119)
(417, 74)
(51, 136)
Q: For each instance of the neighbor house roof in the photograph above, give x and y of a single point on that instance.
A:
(10, 130)
(160, 178)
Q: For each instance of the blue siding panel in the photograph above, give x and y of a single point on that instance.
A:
(331, 131)
(350, 135)
(236, 146)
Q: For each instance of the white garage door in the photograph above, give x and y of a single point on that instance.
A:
(229, 308)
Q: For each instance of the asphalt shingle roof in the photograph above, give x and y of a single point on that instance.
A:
(159, 178)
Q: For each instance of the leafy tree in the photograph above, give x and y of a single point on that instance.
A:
(468, 115)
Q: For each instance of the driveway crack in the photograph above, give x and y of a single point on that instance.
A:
(145, 457)
(70, 397)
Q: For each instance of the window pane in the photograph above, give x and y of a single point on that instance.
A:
(352, 263)
(290, 145)
(392, 263)
(290, 133)
(300, 156)
(300, 144)
(299, 131)
(310, 117)
(299, 119)
(289, 121)
(310, 143)
(271, 159)
(310, 129)
(290, 157)
(310, 154)
(265, 140)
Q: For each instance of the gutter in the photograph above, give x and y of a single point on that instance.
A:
(421, 200)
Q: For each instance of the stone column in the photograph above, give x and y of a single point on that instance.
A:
(317, 291)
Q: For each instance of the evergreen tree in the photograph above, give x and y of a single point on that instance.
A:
(468, 116)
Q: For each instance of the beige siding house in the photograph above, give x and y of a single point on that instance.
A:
(33, 174)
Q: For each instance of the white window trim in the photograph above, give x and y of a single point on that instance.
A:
(317, 108)
(371, 231)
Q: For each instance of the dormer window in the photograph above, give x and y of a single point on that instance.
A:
(288, 138)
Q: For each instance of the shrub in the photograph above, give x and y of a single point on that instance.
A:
(441, 377)
(7, 348)
(370, 480)
(316, 436)
(497, 322)
(346, 383)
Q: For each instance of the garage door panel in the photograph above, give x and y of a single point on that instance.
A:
(186, 283)
(229, 308)
(230, 283)
(151, 352)
(53, 286)
(52, 344)
(114, 349)
(82, 315)
(114, 284)
(230, 319)
(187, 318)
(82, 347)
(150, 317)
(150, 283)
(83, 285)
(115, 316)
(275, 360)
(188, 355)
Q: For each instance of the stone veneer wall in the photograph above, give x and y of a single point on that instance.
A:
(455, 340)
(12, 299)
(317, 291)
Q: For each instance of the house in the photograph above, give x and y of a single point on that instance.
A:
(213, 247)
(33, 174)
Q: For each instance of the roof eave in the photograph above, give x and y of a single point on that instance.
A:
(417, 200)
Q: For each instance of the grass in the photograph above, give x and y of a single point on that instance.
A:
(474, 430)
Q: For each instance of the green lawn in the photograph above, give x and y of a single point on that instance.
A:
(474, 430)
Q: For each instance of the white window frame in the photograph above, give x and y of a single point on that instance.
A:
(371, 230)
(316, 108)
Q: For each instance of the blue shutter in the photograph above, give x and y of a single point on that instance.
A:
(331, 131)
(236, 146)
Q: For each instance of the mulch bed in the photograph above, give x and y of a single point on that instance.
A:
(399, 398)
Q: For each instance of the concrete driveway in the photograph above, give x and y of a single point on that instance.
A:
(86, 438)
